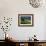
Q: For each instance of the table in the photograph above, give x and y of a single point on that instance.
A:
(27, 42)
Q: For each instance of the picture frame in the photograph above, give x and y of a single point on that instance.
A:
(25, 20)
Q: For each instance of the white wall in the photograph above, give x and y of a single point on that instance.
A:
(11, 8)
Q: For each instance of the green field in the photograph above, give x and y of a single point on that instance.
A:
(25, 20)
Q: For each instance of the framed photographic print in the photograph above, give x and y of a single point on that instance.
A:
(25, 20)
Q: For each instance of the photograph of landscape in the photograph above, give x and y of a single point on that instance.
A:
(25, 19)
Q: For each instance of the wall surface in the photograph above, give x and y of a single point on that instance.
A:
(11, 8)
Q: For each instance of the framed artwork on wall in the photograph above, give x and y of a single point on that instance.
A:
(25, 20)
